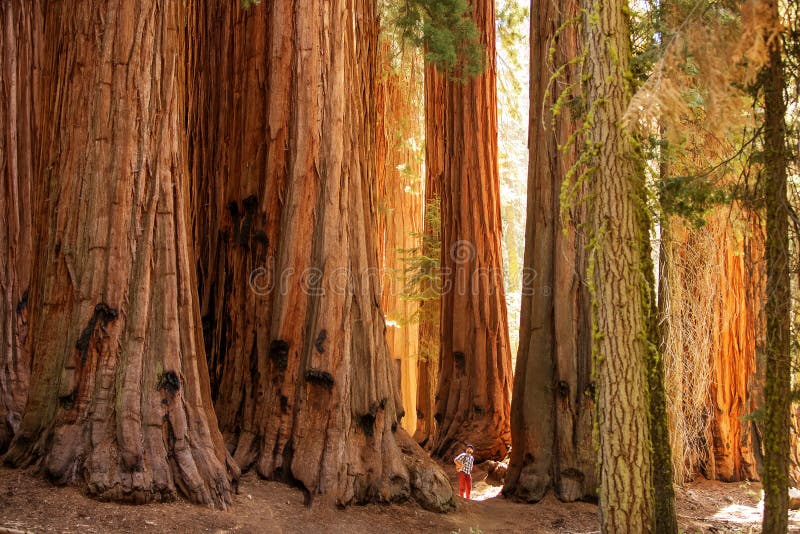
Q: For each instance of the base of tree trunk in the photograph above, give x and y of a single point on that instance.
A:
(174, 459)
(430, 487)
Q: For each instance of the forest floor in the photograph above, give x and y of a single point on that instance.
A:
(28, 503)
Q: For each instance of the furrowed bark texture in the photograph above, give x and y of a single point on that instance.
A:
(400, 197)
(711, 303)
(618, 284)
(737, 330)
(430, 309)
(553, 410)
(239, 135)
(474, 391)
(305, 385)
(777, 388)
(20, 41)
(119, 400)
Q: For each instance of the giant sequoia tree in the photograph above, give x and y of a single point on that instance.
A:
(284, 168)
(553, 409)
(474, 392)
(20, 33)
(119, 399)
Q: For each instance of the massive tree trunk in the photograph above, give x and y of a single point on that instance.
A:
(400, 197)
(474, 391)
(119, 400)
(20, 40)
(239, 135)
(553, 409)
(283, 126)
(618, 283)
(777, 389)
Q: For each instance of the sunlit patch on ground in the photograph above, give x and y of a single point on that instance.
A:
(709, 506)
(482, 491)
(740, 513)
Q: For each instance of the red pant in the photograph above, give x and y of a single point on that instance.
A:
(464, 484)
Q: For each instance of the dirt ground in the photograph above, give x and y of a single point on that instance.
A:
(28, 503)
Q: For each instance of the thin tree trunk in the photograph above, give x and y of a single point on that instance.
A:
(474, 390)
(619, 287)
(306, 387)
(777, 389)
(553, 408)
(665, 519)
(20, 41)
(119, 400)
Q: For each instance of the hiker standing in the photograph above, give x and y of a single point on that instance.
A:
(464, 466)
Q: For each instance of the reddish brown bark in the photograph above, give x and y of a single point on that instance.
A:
(715, 287)
(119, 400)
(20, 40)
(474, 390)
(430, 309)
(306, 388)
(736, 332)
(553, 409)
(239, 134)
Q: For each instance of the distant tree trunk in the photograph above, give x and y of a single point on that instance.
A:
(306, 389)
(618, 283)
(553, 408)
(119, 400)
(430, 308)
(777, 390)
(474, 390)
(400, 199)
(20, 40)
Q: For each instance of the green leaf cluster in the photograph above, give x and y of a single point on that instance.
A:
(421, 265)
(445, 30)
(690, 197)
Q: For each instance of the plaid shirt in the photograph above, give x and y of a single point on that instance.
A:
(466, 461)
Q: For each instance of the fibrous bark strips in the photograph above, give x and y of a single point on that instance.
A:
(474, 393)
(119, 398)
(284, 148)
(20, 32)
